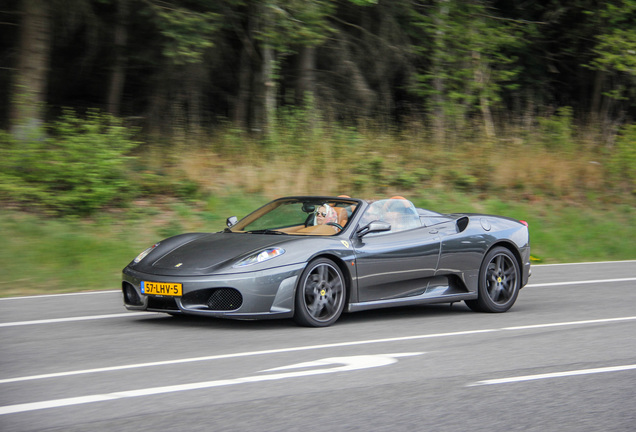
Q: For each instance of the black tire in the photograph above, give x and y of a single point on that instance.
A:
(499, 282)
(320, 294)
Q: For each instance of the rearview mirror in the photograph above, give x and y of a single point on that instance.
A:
(231, 221)
(372, 227)
(309, 208)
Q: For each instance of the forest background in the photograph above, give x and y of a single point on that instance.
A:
(124, 121)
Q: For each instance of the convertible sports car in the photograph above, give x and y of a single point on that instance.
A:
(311, 258)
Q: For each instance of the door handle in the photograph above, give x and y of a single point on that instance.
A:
(433, 231)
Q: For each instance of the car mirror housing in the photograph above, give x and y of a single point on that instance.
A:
(373, 227)
(231, 221)
(309, 208)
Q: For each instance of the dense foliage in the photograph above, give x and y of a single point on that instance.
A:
(413, 92)
(78, 166)
(189, 63)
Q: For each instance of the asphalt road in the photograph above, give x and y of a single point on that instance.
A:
(562, 359)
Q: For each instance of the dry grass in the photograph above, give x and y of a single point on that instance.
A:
(549, 173)
(373, 163)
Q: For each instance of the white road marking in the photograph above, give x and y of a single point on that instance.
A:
(238, 355)
(307, 348)
(585, 263)
(572, 323)
(347, 364)
(553, 375)
(39, 296)
(79, 318)
(585, 282)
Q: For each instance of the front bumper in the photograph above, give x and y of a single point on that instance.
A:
(247, 295)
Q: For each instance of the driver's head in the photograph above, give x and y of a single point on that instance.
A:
(325, 214)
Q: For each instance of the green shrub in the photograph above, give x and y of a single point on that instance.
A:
(461, 180)
(187, 189)
(556, 131)
(76, 167)
(369, 174)
(170, 228)
(622, 164)
(404, 180)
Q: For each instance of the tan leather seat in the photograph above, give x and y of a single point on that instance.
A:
(343, 216)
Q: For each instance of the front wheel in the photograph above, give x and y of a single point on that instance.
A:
(320, 295)
(499, 282)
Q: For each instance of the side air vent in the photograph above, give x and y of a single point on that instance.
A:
(462, 223)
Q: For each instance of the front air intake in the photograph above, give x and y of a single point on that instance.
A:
(225, 299)
(162, 303)
(130, 295)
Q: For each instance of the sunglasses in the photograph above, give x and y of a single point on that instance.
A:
(323, 214)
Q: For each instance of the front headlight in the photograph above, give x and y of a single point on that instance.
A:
(145, 253)
(260, 257)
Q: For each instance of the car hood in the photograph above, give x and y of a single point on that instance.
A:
(208, 253)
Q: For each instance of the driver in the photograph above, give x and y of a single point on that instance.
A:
(326, 214)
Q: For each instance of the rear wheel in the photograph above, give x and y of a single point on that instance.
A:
(320, 295)
(499, 282)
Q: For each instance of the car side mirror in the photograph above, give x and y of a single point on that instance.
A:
(373, 227)
(231, 221)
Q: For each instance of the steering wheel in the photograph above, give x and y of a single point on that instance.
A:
(335, 225)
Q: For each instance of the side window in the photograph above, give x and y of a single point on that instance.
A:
(372, 213)
(400, 213)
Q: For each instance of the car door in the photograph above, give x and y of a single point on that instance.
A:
(395, 264)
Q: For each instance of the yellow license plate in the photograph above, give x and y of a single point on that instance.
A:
(161, 288)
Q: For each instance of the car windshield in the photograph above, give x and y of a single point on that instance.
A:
(299, 216)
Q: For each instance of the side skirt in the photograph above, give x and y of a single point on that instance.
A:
(410, 301)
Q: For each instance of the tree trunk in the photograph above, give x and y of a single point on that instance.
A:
(481, 80)
(265, 100)
(305, 86)
(118, 73)
(595, 108)
(239, 115)
(30, 80)
(439, 121)
(193, 85)
(246, 79)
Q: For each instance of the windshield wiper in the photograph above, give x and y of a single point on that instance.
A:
(267, 231)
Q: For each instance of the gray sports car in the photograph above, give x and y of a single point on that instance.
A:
(311, 258)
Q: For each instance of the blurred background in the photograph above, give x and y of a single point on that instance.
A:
(126, 121)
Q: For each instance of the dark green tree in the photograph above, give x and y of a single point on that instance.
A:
(615, 57)
(469, 66)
